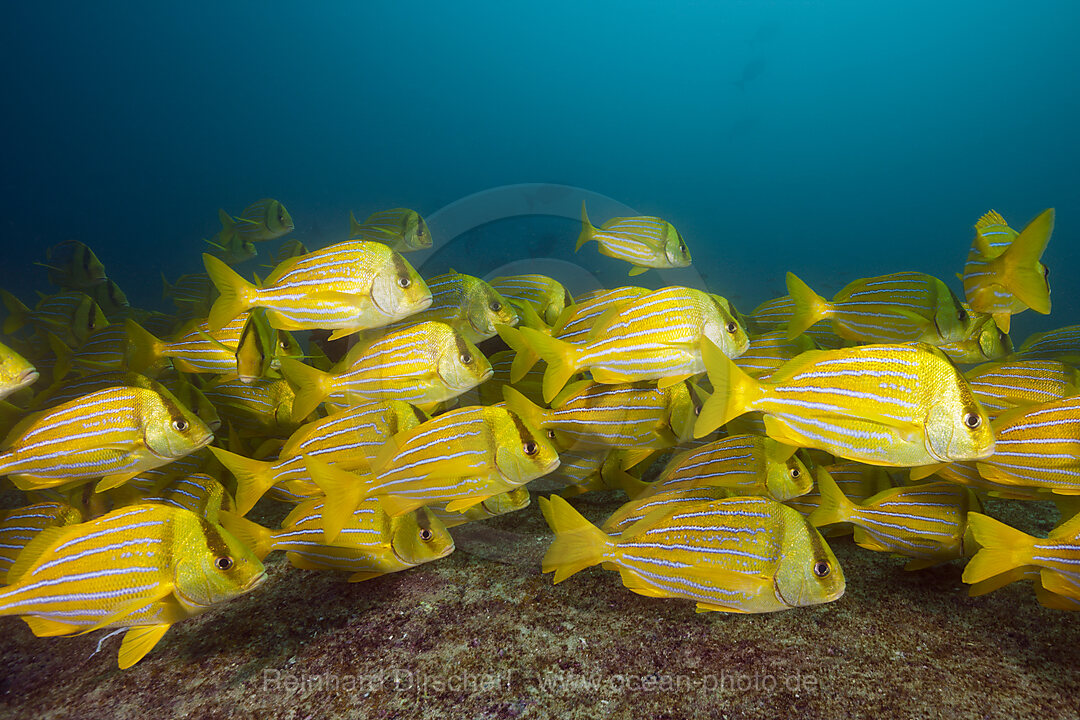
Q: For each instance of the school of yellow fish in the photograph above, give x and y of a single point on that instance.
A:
(411, 405)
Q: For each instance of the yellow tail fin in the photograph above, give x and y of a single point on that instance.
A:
(310, 384)
(525, 357)
(587, 229)
(18, 314)
(733, 391)
(253, 477)
(237, 294)
(255, 536)
(1019, 268)
(578, 543)
(809, 307)
(344, 491)
(530, 412)
(1003, 548)
(561, 357)
(143, 348)
(834, 506)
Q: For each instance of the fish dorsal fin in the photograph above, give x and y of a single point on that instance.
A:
(569, 391)
(282, 267)
(992, 217)
(138, 641)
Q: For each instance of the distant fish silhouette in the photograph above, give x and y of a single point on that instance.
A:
(751, 71)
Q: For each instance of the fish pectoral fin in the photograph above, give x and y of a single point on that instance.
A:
(130, 608)
(710, 607)
(924, 471)
(112, 481)
(779, 431)
(463, 504)
(666, 382)
(610, 377)
(869, 542)
(362, 576)
(1056, 583)
(138, 641)
(395, 505)
(342, 333)
(636, 270)
(44, 627)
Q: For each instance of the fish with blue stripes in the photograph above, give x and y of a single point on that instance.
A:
(743, 555)
(658, 336)
(891, 405)
(424, 364)
(141, 567)
(349, 439)
(899, 307)
(347, 287)
(21, 525)
(1002, 386)
(399, 228)
(70, 316)
(1061, 344)
(644, 242)
(1003, 274)
(370, 543)
(262, 220)
(264, 406)
(113, 434)
(467, 304)
(546, 295)
(925, 522)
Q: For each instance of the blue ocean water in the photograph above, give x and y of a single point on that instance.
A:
(835, 139)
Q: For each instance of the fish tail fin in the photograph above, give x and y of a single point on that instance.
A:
(63, 357)
(561, 357)
(236, 292)
(835, 507)
(227, 222)
(578, 543)
(310, 384)
(343, 490)
(809, 307)
(166, 288)
(260, 539)
(253, 477)
(355, 225)
(18, 314)
(143, 348)
(1003, 548)
(526, 409)
(1020, 271)
(619, 478)
(524, 356)
(587, 229)
(733, 391)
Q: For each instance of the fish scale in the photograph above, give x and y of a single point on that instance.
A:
(1003, 386)
(1061, 344)
(1037, 447)
(21, 525)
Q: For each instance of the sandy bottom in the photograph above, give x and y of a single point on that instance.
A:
(482, 634)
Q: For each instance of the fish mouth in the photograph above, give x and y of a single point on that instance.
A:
(28, 377)
(255, 582)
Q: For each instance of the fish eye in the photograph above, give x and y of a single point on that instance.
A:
(962, 315)
(466, 358)
(223, 563)
(732, 327)
(530, 448)
(795, 473)
(404, 282)
(181, 426)
(426, 535)
(495, 306)
(972, 420)
(550, 434)
(821, 568)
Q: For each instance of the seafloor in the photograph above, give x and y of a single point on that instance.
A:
(483, 634)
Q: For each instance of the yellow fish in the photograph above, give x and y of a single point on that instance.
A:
(21, 525)
(15, 372)
(347, 287)
(142, 567)
(745, 554)
(898, 405)
(501, 504)
(114, 433)
(1003, 275)
(644, 242)
(546, 295)
(400, 228)
(658, 336)
(265, 219)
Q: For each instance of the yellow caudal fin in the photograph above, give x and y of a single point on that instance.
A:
(809, 307)
(1019, 268)
(310, 384)
(355, 226)
(834, 506)
(18, 313)
(343, 490)
(561, 358)
(733, 390)
(143, 349)
(227, 222)
(1003, 548)
(260, 539)
(578, 543)
(253, 477)
(525, 357)
(138, 641)
(63, 357)
(526, 409)
(618, 477)
(237, 294)
(587, 229)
